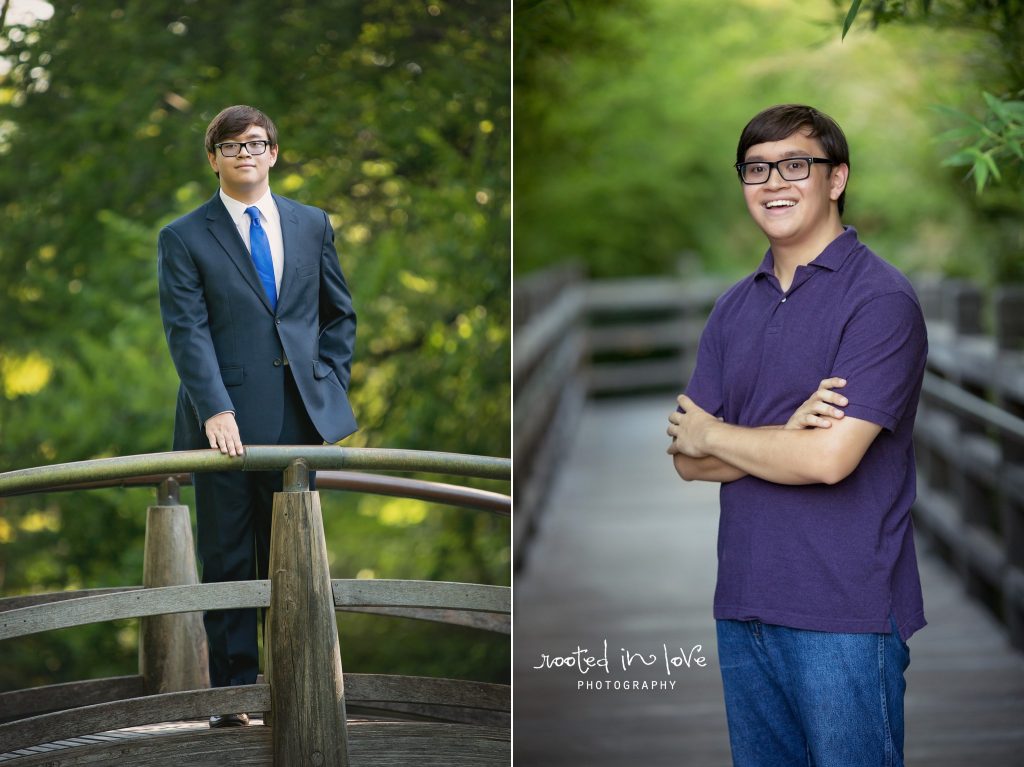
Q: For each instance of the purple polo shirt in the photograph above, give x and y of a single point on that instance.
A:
(821, 557)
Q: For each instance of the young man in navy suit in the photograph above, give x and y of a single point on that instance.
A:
(260, 327)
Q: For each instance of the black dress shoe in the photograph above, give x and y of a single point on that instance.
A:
(229, 720)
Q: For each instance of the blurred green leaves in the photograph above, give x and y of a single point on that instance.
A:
(627, 117)
(994, 141)
(989, 144)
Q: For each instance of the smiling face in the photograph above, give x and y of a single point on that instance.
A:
(796, 215)
(244, 176)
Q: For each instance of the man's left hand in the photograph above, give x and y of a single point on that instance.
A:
(687, 429)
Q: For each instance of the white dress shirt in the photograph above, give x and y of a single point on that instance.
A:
(270, 220)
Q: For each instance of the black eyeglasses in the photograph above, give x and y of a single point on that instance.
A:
(232, 148)
(791, 169)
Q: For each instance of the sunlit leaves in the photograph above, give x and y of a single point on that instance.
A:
(24, 375)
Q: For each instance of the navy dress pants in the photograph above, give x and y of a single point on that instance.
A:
(233, 518)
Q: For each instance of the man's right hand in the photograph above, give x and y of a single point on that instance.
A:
(820, 410)
(222, 431)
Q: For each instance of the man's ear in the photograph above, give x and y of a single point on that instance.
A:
(212, 158)
(837, 181)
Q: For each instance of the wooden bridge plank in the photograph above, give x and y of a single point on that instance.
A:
(625, 551)
(499, 623)
(136, 603)
(17, 704)
(133, 604)
(427, 594)
(196, 746)
(51, 728)
(430, 697)
(371, 744)
(28, 600)
(387, 688)
(399, 744)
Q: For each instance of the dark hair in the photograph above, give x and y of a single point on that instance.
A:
(233, 121)
(778, 122)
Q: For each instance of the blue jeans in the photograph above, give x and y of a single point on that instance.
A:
(815, 698)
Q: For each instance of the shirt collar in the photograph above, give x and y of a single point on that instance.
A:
(832, 257)
(268, 209)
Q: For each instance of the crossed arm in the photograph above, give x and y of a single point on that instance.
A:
(818, 444)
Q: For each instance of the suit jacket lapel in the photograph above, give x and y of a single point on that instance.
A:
(226, 233)
(290, 239)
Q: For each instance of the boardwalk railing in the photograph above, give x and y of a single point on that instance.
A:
(608, 337)
(577, 338)
(548, 381)
(970, 441)
(306, 698)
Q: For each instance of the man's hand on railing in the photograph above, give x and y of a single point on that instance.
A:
(222, 431)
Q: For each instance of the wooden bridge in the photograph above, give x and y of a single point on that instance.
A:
(613, 547)
(313, 713)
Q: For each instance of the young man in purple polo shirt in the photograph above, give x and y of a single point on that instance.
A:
(818, 588)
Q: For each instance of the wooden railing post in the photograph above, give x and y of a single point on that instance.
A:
(303, 667)
(1009, 324)
(962, 308)
(172, 648)
(1009, 320)
(929, 460)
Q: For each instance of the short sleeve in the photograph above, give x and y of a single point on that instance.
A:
(882, 355)
(705, 385)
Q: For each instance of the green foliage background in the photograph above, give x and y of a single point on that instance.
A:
(394, 116)
(628, 113)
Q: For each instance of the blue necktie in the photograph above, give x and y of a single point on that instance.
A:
(259, 245)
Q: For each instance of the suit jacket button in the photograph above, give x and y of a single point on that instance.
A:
(277, 363)
(277, 322)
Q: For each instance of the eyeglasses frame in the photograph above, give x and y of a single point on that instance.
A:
(265, 142)
(775, 165)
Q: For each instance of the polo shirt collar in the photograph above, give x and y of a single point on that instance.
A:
(832, 257)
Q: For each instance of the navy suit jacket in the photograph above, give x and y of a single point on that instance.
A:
(229, 346)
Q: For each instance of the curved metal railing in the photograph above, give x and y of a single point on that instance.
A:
(256, 458)
(355, 481)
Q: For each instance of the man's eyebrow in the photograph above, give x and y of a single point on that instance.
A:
(789, 153)
(253, 135)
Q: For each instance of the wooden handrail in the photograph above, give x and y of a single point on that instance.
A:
(116, 604)
(977, 409)
(418, 489)
(256, 458)
(498, 622)
(362, 482)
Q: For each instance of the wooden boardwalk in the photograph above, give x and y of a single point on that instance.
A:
(53, 752)
(626, 554)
